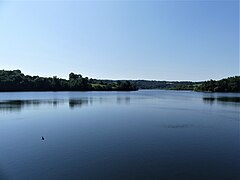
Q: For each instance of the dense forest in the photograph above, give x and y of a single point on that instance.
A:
(231, 84)
(16, 81)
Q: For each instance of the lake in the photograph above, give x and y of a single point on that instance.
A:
(146, 134)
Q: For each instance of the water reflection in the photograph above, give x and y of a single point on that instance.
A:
(229, 99)
(18, 105)
(208, 100)
(78, 102)
(223, 99)
(178, 126)
(125, 100)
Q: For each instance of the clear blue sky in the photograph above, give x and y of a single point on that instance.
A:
(161, 40)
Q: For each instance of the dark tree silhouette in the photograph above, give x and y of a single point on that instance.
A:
(231, 84)
(16, 81)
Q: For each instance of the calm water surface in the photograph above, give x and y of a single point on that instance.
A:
(119, 135)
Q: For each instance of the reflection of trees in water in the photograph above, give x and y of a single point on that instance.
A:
(91, 100)
(17, 105)
(208, 100)
(125, 100)
(77, 102)
(229, 99)
(221, 100)
(178, 126)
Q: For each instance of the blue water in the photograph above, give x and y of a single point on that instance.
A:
(149, 134)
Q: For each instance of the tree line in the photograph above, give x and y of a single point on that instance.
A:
(231, 84)
(16, 81)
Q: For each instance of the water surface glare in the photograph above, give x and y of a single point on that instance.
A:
(146, 134)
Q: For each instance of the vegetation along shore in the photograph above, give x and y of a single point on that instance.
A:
(16, 81)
